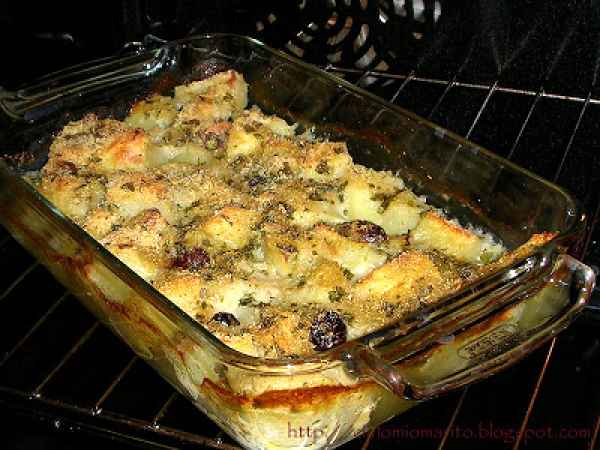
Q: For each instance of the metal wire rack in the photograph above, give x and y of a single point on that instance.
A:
(58, 363)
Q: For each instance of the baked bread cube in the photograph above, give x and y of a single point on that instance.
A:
(101, 221)
(184, 289)
(327, 284)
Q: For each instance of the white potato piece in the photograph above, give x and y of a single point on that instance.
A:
(435, 232)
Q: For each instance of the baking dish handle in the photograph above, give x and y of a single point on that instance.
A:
(136, 61)
(572, 276)
(593, 307)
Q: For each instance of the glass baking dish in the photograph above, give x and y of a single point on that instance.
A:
(329, 398)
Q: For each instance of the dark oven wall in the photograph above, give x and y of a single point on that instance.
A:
(518, 77)
(388, 35)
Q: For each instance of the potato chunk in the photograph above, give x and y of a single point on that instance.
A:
(239, 297)
(435, 232)
(402, 214)
(241, 142)
(73, 195)
(325, 161)
(230, 228)
(98, 146)
(365, 192)
(403, 279)
(358, 257)
(132, 193)
(143, 243)
(155, 112)
(216, 98)
(127, 152)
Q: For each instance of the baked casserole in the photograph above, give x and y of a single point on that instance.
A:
(274, 245)
(270, 237)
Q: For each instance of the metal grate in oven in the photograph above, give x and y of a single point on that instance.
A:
(56, 362)
(549, 123)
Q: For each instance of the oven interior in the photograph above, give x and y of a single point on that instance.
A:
(519, 78)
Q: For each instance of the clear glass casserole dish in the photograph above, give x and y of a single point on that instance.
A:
(326, 399)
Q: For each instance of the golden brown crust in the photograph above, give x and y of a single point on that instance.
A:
(293, 399)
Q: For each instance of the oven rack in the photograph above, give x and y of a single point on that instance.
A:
(57, 363)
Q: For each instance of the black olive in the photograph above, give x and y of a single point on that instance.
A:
(466, 272)
(193, 259)
(212, 141)
(256, 181)
(128, 187)
(225, 318)
(327, 330)
(363, 231)
(68, 167)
